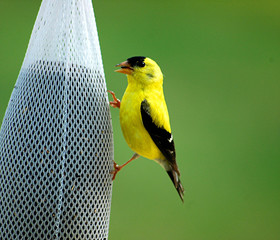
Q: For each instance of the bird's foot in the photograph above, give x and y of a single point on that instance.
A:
(116, 103)
(117, 168)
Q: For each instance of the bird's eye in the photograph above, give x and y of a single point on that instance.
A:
(141, 64)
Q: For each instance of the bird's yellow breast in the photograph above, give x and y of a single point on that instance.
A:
(132, 126)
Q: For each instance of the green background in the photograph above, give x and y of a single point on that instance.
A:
(221, 62)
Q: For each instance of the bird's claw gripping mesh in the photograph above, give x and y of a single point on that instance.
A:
(56, 146)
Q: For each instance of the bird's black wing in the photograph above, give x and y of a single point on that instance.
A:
(162, 138)
(164, 141)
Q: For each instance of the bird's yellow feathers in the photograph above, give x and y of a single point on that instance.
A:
(133, 129)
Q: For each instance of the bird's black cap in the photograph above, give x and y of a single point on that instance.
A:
(136, 61)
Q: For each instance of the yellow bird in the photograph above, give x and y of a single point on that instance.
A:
(144, 117)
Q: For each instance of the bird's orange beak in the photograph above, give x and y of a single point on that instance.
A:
(125, 68)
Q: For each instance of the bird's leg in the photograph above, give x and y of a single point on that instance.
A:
(116, 103)
(117, 168)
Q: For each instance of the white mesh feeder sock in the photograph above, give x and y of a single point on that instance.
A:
(56, 145)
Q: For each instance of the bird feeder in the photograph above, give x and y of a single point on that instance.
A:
(56, 144)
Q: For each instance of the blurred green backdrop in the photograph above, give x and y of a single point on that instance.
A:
(221, 61)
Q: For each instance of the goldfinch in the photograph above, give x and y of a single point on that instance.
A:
(144, 117)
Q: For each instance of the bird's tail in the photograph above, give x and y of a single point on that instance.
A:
(174, 176)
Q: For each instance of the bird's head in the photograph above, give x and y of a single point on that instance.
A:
(141, 69)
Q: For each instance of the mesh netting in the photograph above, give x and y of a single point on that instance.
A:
(56, 146)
